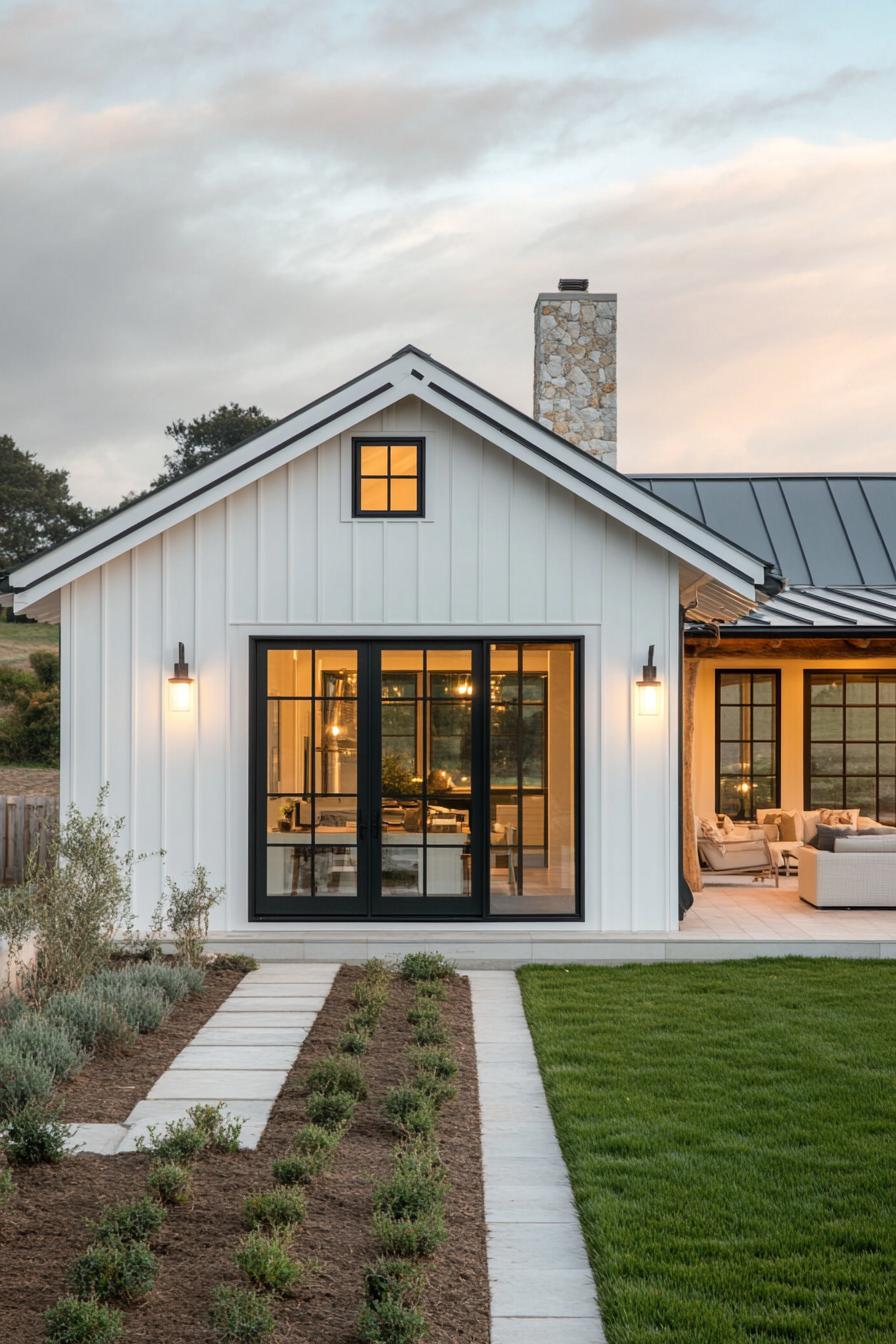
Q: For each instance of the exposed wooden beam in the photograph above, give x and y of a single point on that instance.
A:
(805, 648)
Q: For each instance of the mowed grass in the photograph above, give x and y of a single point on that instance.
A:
(19, 640)
(730, 1133)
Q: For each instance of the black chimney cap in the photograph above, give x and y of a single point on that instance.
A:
(577, 286)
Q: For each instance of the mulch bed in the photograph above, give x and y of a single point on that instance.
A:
(106, 1091)
(43, 1229)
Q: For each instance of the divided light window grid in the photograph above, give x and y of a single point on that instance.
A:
(387, 478)
(747, 736)
(850, 737)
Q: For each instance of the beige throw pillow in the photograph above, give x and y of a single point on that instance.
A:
(786, 823)
(838, 816)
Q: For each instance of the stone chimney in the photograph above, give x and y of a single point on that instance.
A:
(575, 367)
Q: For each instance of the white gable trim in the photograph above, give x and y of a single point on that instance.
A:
(408, 373)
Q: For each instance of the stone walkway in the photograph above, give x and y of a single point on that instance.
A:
(241, 1057)
(542, 1288)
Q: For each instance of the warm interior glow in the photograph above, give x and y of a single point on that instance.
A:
(180, 694)
(648, 697)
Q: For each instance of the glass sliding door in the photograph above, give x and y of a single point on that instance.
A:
(533, 781)
(427, 821)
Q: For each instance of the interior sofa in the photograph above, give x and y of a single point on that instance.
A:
(861, 871)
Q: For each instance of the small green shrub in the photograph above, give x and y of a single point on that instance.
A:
(296, 1170)
(240, 1315)
(179, 1141)
(400, 1279)
(46, 1043)
(411, 1237)
(7, 1187)
(438, 1063)
(34, 1134)
(410, 1110)
(129, 1222)
(21, 1081)
(170, 1182)
(175, 982)
(265, 1259)
(234, 961)
(144, 1007)
(280, 1208)
(185, 911)
(423, 1012)
(332, 1110)
(363, 1019)
(433, 991)
(377, 970)
(72, 1320)
(425, 966)
(333, 1074)
(353, 1042)
(370, 994)
(439, 1090)
(114, 1271)
(408, 1196)
(90, 1020)
(221, 1131)
(430, 1033)
(11, 1008)
(314, 1141)
(391, 1321)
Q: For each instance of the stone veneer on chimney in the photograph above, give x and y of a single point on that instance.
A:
(575, 369)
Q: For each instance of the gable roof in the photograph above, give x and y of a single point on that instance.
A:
(733, 579)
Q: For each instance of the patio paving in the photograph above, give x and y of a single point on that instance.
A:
(760, 912)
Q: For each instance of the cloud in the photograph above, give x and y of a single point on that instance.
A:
(753, 108)
(608, 24)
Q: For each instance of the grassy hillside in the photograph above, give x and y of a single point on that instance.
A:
(18, 641)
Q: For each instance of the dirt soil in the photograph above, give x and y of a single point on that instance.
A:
(106, 1091)
(43, 1228)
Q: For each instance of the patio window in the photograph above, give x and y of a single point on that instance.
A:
(850, 742)
(747, 734)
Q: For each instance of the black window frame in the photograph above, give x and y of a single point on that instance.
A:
(808, 741)
(388, 441)
(751, 672)
(258, 648)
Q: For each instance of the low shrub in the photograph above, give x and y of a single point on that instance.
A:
(170, 1182)
(377, 970)
(296, 1170)
(34, 1134)
(411, 1237)
(11, 1008)
(265, 1259)
(315, 1141)
(21, 1081)
(90, 1020)
(410, 1110)
(391, 1321)
(393, 1278)
(408, 1196)
(7, 1187)
(114, 1271)
(370, 994)
(240, 1315)
(332, 1110)
(353, 1042)
(363, 1019)
(430, 1033)
(221, 1130)
(179, 1142)
(185, 911)
(423, 1012)
(427, 1060)
(175, 982)
(143, 1006)
(280, 1208)
(333, 1074)
(439, 1090)
(433, 991)
(46, 1043)
(234, 961)
(72, 1320)
(425, 966)
(129, 1222)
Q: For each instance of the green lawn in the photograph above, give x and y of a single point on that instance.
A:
(19, 639)
(730, 1133)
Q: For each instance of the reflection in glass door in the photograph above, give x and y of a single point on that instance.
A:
(426, 820)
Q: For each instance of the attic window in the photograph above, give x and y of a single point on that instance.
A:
(387, 478)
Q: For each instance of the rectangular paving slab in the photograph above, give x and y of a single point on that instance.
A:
(219, 1084)
(200, 1056)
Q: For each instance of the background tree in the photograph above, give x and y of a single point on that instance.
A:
(37, 506)
(207, 436)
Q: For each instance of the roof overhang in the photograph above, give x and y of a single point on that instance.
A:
(730, 580)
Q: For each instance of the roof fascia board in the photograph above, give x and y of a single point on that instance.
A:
(668, 528)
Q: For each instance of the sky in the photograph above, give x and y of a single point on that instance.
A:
(254, 200)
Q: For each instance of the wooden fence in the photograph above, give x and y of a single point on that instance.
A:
(23, 824)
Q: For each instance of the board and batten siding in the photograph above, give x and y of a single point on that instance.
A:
(501, 551)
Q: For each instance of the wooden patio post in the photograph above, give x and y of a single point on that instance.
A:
(689, 834)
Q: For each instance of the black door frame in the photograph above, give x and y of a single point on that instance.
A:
(395, 909)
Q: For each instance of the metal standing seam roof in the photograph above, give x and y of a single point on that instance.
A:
(833, 536)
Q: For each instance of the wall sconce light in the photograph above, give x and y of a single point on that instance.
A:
(180, 686)
(649, 687)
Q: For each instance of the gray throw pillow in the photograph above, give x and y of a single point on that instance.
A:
(826, 835)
